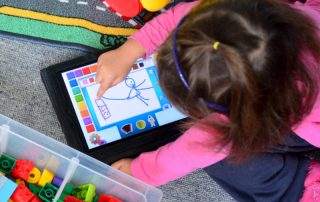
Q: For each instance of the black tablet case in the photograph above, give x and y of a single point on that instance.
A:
(128, 147)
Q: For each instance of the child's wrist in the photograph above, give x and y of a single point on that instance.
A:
(132, 49)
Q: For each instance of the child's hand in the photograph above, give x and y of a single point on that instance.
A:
(114, 66)
(123, 165)
(111, 70)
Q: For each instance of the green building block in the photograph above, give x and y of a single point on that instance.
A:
(34, 188)
(95, 198)
(68, 190)
(85, 192)
(7, 164)
(62, 196)
(48, 192)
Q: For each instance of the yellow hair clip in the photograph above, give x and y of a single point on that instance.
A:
(216, 45)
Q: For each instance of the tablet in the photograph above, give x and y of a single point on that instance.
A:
(131, 117)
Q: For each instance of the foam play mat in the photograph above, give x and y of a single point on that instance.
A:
(86, 24)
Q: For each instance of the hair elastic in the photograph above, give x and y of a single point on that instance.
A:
(181, 74)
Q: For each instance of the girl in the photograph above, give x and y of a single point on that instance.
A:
(247, 73)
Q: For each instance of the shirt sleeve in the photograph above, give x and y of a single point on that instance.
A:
(155, 32)
(193, 150)
(309, 128)
(311, 8)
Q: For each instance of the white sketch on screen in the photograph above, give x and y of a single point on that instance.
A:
(134, 92)
(102, 106)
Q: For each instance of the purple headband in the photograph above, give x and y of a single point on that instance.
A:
(181, 75)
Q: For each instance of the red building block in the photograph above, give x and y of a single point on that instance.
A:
(71, 199)
(125, 8)
(36, 199)
(22, 169)
(107, 198)
(22, 194)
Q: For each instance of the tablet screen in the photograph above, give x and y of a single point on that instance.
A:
(133, 106)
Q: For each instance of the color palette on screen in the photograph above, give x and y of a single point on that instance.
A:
(77, 79)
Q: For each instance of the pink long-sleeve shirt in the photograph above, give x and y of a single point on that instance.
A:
(195, 148)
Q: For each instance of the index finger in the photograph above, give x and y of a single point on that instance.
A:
(99, 75)
(104, 85)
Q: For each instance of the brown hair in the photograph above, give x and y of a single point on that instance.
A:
(257, 70)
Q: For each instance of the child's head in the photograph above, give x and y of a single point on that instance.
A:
(244, 55)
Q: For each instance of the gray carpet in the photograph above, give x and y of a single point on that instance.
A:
(24, 99)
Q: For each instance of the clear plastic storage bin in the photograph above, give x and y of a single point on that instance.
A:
(21, 142)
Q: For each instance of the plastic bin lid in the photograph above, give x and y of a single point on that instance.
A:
(126, 8)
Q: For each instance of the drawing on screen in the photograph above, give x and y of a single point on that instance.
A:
(134, 91)
(134, 96)
(103, 108)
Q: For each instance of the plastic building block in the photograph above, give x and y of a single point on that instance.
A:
(34, 189)
(154, 5)
(48, 192)
(71, 199)
(7, 187)
(125, 8)
(68, 189)
(85, 192)
(22, 194)
(36, 199)
(22, 169)
(62, 196)
(34, 176)
(108, 198)
(46, 177)
(57, 181)
(6, 164)
(20, 181)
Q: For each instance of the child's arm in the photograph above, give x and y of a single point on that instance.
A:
(114, 66)
(154, 33)
(193, 150)
(196, 148)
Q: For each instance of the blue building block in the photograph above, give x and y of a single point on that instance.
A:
(7, 188)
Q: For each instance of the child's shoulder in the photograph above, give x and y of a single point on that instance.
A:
(311, 8)
(184, 7)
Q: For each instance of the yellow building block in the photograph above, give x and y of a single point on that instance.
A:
(46, 177)
(154, 5)
(34, 176)
(20, 181)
